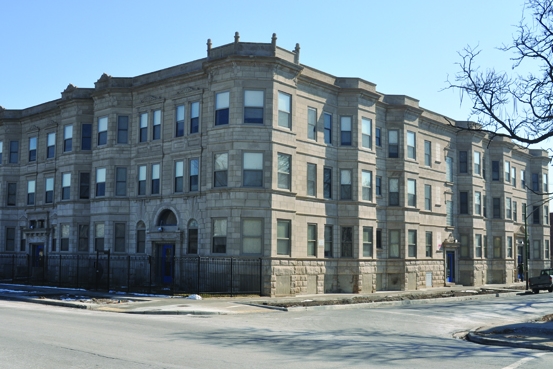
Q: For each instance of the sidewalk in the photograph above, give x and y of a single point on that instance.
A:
(534, 335)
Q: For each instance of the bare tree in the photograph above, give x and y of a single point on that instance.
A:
(513, 105)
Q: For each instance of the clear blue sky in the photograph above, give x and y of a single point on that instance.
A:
(403, 46)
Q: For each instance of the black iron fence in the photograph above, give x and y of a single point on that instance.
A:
(135, 273)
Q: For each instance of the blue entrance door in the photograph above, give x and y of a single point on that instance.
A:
(450, 266)
(38, 255)
(167, 255)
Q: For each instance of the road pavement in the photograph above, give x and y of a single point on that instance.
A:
(533, 335)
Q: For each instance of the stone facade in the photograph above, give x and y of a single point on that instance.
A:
(248, 153)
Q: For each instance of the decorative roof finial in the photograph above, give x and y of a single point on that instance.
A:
(236, 37)
(297, 54)
(273, 40)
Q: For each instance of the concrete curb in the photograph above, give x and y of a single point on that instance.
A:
(474, 336)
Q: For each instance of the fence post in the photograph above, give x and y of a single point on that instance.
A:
(13, 267)
(29, 266)
(150, 272)
(129, 274)
(198, 279)
(231, 277)
(260, 276)
(59, 273)
(78, 268)
(109, 259)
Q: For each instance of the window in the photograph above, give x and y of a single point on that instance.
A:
(1, 151)
(535, 182)
(121, 181)
(464, 247)
(194, 177)
(496, 207)
(222, 103)
(514, 176)
(312, 124)
(311, 240)
(463, 202)
(100, 182)
(252, 175)
(51, 145)
(194, 117)
(284, 171)
(368, 242)
(536, 215)
(478, 245)
(378, 186)
(545, 186)
(122, 129)
(393, 192)
(192, 237)
(345, 184)
(119, 244)
(311, 179)
(536, 245)
(366, 133)
(394, 243)
(449, 213)
(253, 106)
(478, 203)
(179, 174)
(497, 247)
(84, 186)
(393, 143)
(428, 153)
(508, 210)
(379, 239)
(86, 136)
(156, 127)
(64, 237)
(345, 131)
(428, 244)
(284, 109)
(523, 179)
(477, 162)
(411, 145)
(49, 190)
(449, 168)
(252, 236)
(495, 170)
(142, 180)
(485, 247)
(411, 192)
(179, 124)
(507, 166)
(143, 131)
(327, 183)
(412, 243)
(327, 127)
(220, 173)
(66, 186)
(83, 237)
(428, 197)
(463, 162)
(141, 239)
(102, 131)
(99, 233)
(14, 152)
(32, 148)
(346, 242)
(545, 214)
(510, 247)
(67, 138)
(54, 241)
(283, 237)
(378, 136)
(524, 211)
(515, 211)
(31, 187)
(547, 252)
(485, 206)
(154, 190)
(367, 185)
(10, 239)
(328, 241)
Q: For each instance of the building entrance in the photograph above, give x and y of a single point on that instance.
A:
(450, 266)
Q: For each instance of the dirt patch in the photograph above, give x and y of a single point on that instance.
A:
(547, 318)
(381, 298)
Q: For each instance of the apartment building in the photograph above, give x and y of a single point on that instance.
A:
(249, 153)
